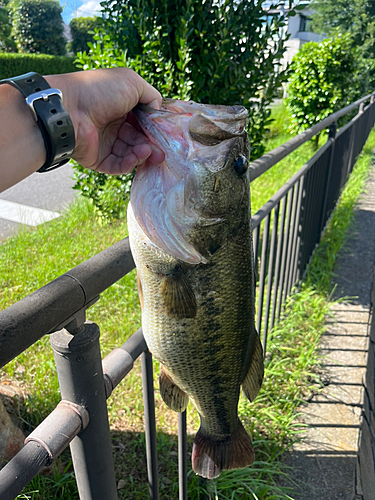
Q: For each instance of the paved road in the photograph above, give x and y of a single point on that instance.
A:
(35, 200)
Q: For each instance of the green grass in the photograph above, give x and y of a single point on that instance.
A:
(35, 257)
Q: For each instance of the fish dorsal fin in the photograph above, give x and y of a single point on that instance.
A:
(253, 381)
(174, 397)
(178, 296)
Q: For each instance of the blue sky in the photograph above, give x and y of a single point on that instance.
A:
(73, 8)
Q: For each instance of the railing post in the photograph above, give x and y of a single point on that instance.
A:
(182, 456)
(331, 137)
(150, 424)
(79, 369)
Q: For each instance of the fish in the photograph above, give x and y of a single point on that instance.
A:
(189, 225)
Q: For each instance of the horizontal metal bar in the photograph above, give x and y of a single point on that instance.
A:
(55, 304)
(60, 427)
(22, 469)
(42, 446)
(272, 202)
(120, 361)
(265, 162)
(349, 124)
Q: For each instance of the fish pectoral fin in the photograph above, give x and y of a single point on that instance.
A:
(178, 296)
(174, 397)
(253, 381)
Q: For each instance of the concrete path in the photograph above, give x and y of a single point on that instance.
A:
(35, 200)
(323, 463)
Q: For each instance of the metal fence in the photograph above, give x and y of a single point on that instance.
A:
(286, 231)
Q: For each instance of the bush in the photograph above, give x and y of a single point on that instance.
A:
(18, 64)
(107, 193)
(325, 77)
(210, 52)
(38, 27)
(7, 44)
(82, 32)
(219, 52)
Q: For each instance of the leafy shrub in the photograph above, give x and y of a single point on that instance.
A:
(38, 27)
(355, 17)
(325, 77)
(107, 193)
(82, 32)
(18, 64)
(223, 51)
(210, 52)
(7, 44)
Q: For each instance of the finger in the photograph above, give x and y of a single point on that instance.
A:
(156, 103)
(149, 95)
(142, 151)
(157, 155)
(115, 165)
(132, 137)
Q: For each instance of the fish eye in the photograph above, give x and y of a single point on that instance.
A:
(240, 165)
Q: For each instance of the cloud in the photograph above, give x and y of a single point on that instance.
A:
(89, 8)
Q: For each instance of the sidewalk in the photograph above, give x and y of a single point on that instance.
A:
(37, 199)
(324, 462)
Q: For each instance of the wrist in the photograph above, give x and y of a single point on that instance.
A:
(45, 104)
(68, 87)
(21, 142)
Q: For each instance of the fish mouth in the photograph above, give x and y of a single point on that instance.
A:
(185, 132)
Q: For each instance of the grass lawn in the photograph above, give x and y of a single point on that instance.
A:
(34, 257)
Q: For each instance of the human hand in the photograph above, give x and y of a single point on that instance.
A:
(99, 104)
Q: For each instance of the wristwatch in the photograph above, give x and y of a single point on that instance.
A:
(54, 122)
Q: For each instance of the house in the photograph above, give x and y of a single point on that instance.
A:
(300, 31)
(298, 28)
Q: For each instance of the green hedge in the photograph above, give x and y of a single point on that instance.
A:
(18, 64)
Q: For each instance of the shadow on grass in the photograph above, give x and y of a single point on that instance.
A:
(58, 481)
(131, 475)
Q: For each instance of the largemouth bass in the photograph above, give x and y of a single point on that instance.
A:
(189, 228)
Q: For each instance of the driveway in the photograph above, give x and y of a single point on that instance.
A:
(37, 199)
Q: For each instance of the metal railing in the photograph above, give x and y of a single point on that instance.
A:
(286, 231)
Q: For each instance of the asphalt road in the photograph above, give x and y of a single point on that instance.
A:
(36, 200)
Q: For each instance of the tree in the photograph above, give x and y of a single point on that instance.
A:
(325, 77)
(38, 27)
(7, 44)
(82, 32)
(208, 51)
(354, 17)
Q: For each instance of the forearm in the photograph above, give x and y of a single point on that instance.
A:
(22, 149)
(98, 103)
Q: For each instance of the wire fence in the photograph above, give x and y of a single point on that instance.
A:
(286, 230)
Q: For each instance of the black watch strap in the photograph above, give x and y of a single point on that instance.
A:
(51, 116)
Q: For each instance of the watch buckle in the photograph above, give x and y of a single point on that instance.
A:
(43, 95)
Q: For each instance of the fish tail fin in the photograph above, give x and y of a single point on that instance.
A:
(211, 456)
